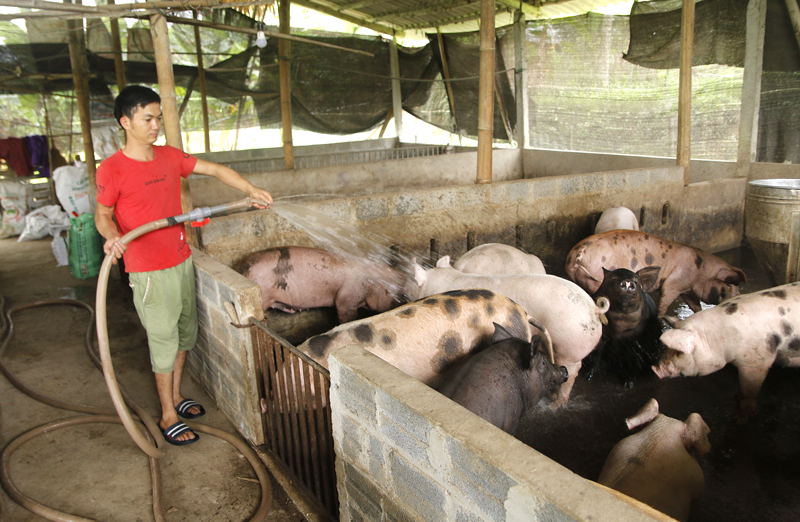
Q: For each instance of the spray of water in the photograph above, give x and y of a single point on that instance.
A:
(383, 265)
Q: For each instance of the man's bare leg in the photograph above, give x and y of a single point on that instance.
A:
(164, 385)
(177, 377)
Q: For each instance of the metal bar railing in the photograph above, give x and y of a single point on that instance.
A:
(297, 420)
(253, 165)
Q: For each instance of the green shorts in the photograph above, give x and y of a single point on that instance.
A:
(167, 306)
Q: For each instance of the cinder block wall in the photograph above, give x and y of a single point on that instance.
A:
(545, 216)
(222, 360)
(406, 453)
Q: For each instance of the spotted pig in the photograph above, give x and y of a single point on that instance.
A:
(685, 271)
(751, 331)
(429, 337)
(297, 278)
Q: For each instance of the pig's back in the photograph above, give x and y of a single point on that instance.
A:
(498, 259)
(428, 337)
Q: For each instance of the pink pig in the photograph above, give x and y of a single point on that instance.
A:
(685, 271)
(656, 466)
(750, 331)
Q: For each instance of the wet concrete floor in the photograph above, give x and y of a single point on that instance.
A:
(752, 472)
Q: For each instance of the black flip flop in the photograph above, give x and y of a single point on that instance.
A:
(176, 430)
(185, 405)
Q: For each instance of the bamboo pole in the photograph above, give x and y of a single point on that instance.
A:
(751, 86)
(186, 98)
(201, 75)
(386, 123)
(685, 89)
(521, 80)
(485, 88)
(794, 15)
(284, 57)
(179, 5)
(80, 74)
(448, 85)
(503, 113)
(169, 106)
(116, 45)
(397, 98)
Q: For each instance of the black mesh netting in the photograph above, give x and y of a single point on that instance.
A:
(595, 82)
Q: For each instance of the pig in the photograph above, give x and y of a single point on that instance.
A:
(751, 331)
(498, 259)
(685, 271)
(656, 466)
(505, 380)
(567, 312)
(429, 337)
(616, 218)
(295, 278)
(630, 339)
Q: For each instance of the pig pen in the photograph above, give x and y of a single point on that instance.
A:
(544, 215)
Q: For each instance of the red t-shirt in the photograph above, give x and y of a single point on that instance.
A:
(145, 191)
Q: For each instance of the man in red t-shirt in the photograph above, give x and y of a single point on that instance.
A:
(137, 185)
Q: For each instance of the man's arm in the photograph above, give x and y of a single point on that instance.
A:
(232, 178)
(104, 222)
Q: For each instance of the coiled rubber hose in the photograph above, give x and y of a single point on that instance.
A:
(150, 441)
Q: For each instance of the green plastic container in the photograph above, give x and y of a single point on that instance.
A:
(85, 247)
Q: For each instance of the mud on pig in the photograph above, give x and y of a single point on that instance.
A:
(429, 337)
(686, 271)
(750, 331)
(297, 278)
(502, 382)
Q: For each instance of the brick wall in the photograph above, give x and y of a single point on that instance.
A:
(406, 453)
(223, 359)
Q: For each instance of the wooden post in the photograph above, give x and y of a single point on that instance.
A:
(794, 16)
(169, 105)
(80, 79)
(201, 75)
(116, 45)
(521, 79)
(284, 56)
(751, 86)
(397, 98)
(448, 85)
(485, 90)
(685, 88)
(503, 113)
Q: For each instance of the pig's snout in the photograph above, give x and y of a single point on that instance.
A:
(563, 374)
(628, 287)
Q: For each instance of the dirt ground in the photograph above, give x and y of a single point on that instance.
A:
(96, 470)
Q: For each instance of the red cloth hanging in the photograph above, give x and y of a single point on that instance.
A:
(16, 154)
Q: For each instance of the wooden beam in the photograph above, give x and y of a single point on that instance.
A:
(201, 76)
(186, 98)
(397, 98)
(521, 79)
(157, 4)
(503, 112)
(485, 88)
(378, 28)
(794, 15)
(116, 45)
(685, 88)
(80, 79)
(751, 86)
(284, 57)
(522, 6)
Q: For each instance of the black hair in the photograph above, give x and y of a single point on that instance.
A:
(131, 98)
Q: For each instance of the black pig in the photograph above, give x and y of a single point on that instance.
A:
(500, 383)
(630, 339)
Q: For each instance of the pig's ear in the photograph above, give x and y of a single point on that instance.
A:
(528, 355)
(648, 412)
(420, 276)
(443, 262)
(500, 334)
(649, 277)
(696, 434)
(732, 276)
(681, 340)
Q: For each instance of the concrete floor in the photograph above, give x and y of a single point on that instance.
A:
(96, 470)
